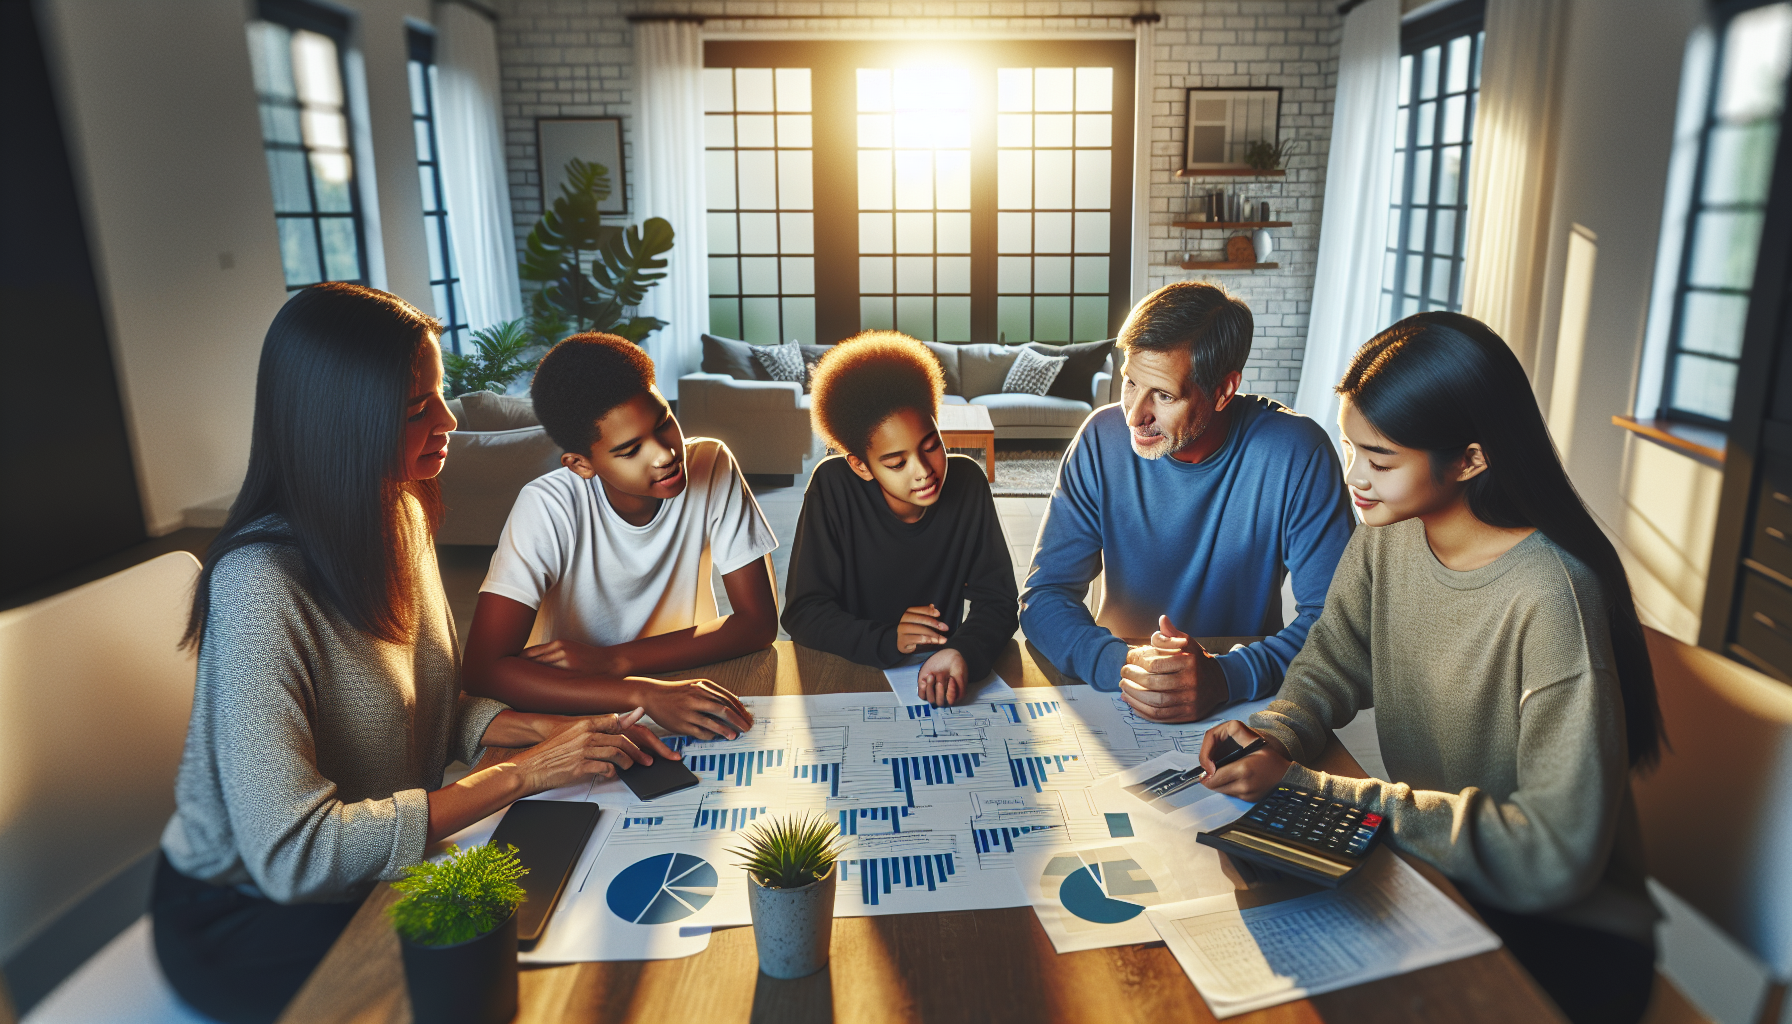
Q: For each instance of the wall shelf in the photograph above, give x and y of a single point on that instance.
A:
(1227, 265)
(1229, 225)
(1230, 172)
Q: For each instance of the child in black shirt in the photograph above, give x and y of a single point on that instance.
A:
(891, 542)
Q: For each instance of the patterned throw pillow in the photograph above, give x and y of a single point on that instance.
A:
(1032, 373)
(783, 362)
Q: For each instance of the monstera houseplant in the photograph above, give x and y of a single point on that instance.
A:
(790, 892)
(496, 360)
(456, 924)
(592, 274)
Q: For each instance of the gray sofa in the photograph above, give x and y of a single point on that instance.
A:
(498, 448)
(766, 422)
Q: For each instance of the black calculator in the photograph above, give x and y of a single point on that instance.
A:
(1302, 834)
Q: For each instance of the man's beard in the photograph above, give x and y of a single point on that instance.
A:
(1170, 443)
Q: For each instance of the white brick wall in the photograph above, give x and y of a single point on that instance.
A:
(573, 58)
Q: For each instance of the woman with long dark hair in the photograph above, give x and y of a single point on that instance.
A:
(1487, 620)
(328, 700)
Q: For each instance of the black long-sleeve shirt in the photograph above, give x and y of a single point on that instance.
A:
(855, 568)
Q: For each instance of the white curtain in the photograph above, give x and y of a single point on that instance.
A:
(475, 182)
(668, 180)
(1359, 180)
(1511, 174)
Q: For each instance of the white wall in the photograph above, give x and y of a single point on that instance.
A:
(1615, 134)
(160, 111)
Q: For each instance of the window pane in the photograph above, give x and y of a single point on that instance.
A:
(342, 256)
(1421, 177)
(315, 69)
(954, 275)
(796, 232)
(877, 275)
(876, 233)
(874, 90)
(298, 251)
(1051, 232)
(1013, 130)
(1724, 246)
(954, 166)
(1428, 73)
(796, 130)
(914, 275)
(1091, 233)
(1427, 123)
(1449, 178)
(1051, 274)
(954, 232)
(718, 179)
(759, 232)
(330, 179)
(1713, 323)
(753, 89)
(1054, 89)
(1094, 88)
(1459, 62)
(1415, 275)
(279, 123)
(724, 317)
(420, 131)
(286, 169)
(1092, 274)
(270, 55)
(1400, 128)
(1454, 108)
(952, 316)
(755, 130)
(718, 90)
(759, 321)
(1014, 179)
(798, 275)
(1704, 386)
(914, 316)
(793, 89)
(1051, 179)
(874, 130)
(439, 293)
(876, 314)
(426, 183)
(1094, 129)
(1051, 318)
(1014, 232)
(1415, 235)
(1091, 323)
(1739, 162)
(1406, 79)
(1094, 167)
(1440, 279)
(759, 276)
(1014, 274)
(1053, 129)
(795, 177)
(799, 319)
(758, 179)
(432, 242)
(914, 179)
(1444, 241)
(722, 233)
(1014, 89)
(1756, 48)
(914, 232)
(724, 276)
(1014, 319)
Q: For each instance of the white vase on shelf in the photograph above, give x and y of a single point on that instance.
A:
(1265, 245)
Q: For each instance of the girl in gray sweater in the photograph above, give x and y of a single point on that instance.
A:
(328, 703)
(1485, 617)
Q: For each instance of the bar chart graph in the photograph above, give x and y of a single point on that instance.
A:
(740, 768)
(1001, 840)
(638, 822)
(727, 819)
(873, 820)
(1037, 764)
(931, 770)
(822, 774)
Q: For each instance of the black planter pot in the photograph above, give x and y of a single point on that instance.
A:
(472, 982)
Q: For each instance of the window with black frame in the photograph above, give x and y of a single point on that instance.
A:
(1440, 79)
(1743, 95)
(295, 50)
(444, 276)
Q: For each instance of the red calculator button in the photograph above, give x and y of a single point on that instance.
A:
(1371, 820)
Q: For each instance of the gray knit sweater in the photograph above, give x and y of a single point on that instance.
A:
(312, 747)
(1500, 720)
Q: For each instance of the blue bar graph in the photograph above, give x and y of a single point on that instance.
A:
(930, 770)
(1001, 840)
(730, 819)
(920, 711)
(1032, 770)
(1036, 709)
(850, 818)
(742, 766)
(643, 822)
(878, 877)
(828, 774)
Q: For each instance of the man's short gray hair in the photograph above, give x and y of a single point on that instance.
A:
(1212, 324)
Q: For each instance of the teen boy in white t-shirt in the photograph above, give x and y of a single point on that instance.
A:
(602, 574)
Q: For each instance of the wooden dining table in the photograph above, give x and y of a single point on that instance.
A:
(979, 966)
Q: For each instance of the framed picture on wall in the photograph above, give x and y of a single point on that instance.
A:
(595, 140)
(1224, 123)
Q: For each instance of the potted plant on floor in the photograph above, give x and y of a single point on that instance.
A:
(790, 892)
(456, 924)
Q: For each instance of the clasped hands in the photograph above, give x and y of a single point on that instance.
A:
(1172, 678)
(942, 678)
(701, 708)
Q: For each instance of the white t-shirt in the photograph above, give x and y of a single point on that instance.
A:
(597, 580)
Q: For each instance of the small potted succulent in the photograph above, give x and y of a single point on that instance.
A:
(790, 892)
(456, 924)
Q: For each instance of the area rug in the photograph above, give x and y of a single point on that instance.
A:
(1028, 474)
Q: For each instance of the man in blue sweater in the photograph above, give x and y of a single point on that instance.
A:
(1193, 502)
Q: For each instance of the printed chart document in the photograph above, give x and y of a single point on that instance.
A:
(905, 680)
(1388, 920)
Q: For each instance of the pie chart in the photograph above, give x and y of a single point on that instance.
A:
(664, 888)
(1081, 895)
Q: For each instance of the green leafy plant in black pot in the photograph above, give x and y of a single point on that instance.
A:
(456, 924)
(592, 274)
(1267, 156)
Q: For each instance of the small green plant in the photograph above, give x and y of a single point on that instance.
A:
(1266, 156)
(496, 360)
(459, 898)
(792, 852)
(591, 273)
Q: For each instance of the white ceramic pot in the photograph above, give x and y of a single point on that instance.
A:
(792, 927)
(1264, 244)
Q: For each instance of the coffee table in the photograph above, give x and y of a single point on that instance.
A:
(968, 426)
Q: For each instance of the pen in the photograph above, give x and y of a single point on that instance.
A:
(1181, 781)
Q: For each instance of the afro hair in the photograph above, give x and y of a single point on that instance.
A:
(863, 380)
(581, 379)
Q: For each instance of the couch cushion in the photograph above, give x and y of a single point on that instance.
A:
(983, 368)
(1077, 376)
(730, 357)
(948, 357)
(811, 355)
(1033, 410)
(483, 410)
(1032, 372)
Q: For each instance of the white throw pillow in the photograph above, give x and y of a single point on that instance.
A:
(1032, 373)
(783, 362)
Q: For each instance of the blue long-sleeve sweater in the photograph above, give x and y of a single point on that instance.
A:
(1208, 545)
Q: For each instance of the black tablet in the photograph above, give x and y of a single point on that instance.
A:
(663, 776)
(548, 835)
